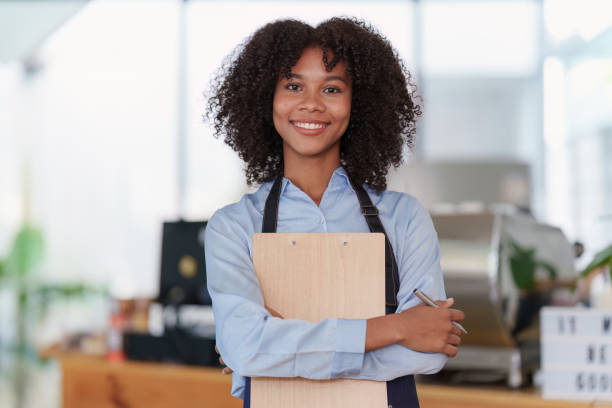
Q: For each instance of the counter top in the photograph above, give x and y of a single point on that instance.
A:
(454, 396)
(93, 382)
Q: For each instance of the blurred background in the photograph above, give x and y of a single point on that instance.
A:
(102, 138)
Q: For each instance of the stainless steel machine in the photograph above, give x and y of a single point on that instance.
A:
(501, 268)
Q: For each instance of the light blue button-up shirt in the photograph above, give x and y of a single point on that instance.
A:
(253, 343)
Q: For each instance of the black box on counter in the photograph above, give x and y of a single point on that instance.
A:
(174, 346)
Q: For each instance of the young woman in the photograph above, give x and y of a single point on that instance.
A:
(319, 114)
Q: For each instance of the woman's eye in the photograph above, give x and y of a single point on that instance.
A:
(292, 87)
(331, 89)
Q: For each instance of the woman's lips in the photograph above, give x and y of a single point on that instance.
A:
(310, 128)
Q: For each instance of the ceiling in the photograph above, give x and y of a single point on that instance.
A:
(24, 25)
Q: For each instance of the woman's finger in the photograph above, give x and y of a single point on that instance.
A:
(446, 303)
(457, 315)
(450, 350)
(273, 312)
(454, 340)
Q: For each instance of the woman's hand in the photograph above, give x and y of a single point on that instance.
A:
(274, 313)
(428, 329)
(226, 370)
(420, 328)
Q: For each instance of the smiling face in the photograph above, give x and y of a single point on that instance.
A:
(312, 108)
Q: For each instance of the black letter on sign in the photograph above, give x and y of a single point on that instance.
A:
(592, 382)
(603, 382)
(606, 324)
(590, 353)
(572, 323)
(579, 382)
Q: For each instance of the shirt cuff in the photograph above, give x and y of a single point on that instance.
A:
(350, 347)
(238, 385)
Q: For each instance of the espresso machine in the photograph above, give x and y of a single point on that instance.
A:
(500, 264)
(501, 268)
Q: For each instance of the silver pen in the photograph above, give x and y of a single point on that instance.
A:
(429, 302)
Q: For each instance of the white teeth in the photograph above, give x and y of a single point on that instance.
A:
(309, 125)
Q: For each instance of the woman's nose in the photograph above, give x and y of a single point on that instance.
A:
(312, 102)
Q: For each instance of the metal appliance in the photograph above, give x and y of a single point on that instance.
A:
(501, 268)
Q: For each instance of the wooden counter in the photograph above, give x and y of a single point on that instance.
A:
(92, 382)
(447, 396)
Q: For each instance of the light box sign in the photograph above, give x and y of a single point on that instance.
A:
(576, 353)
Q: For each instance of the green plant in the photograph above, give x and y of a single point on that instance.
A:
(523, 265)
(601, 258)
(18, 273)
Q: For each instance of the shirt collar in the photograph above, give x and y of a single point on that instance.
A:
(339, 178)
(284, 185)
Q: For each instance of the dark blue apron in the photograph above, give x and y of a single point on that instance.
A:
(401, 392)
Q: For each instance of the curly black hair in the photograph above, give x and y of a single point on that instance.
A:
(383, 107)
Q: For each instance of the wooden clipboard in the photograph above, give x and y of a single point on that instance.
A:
(312, 277)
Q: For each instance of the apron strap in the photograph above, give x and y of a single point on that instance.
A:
(270, 217)
(370, 213)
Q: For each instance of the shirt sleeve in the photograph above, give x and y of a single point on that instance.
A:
(419, 267)
(250, 340)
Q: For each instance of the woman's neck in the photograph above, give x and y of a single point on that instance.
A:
(311, 176)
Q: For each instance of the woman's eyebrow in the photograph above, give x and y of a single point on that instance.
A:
(335, 77)
(327, 78)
